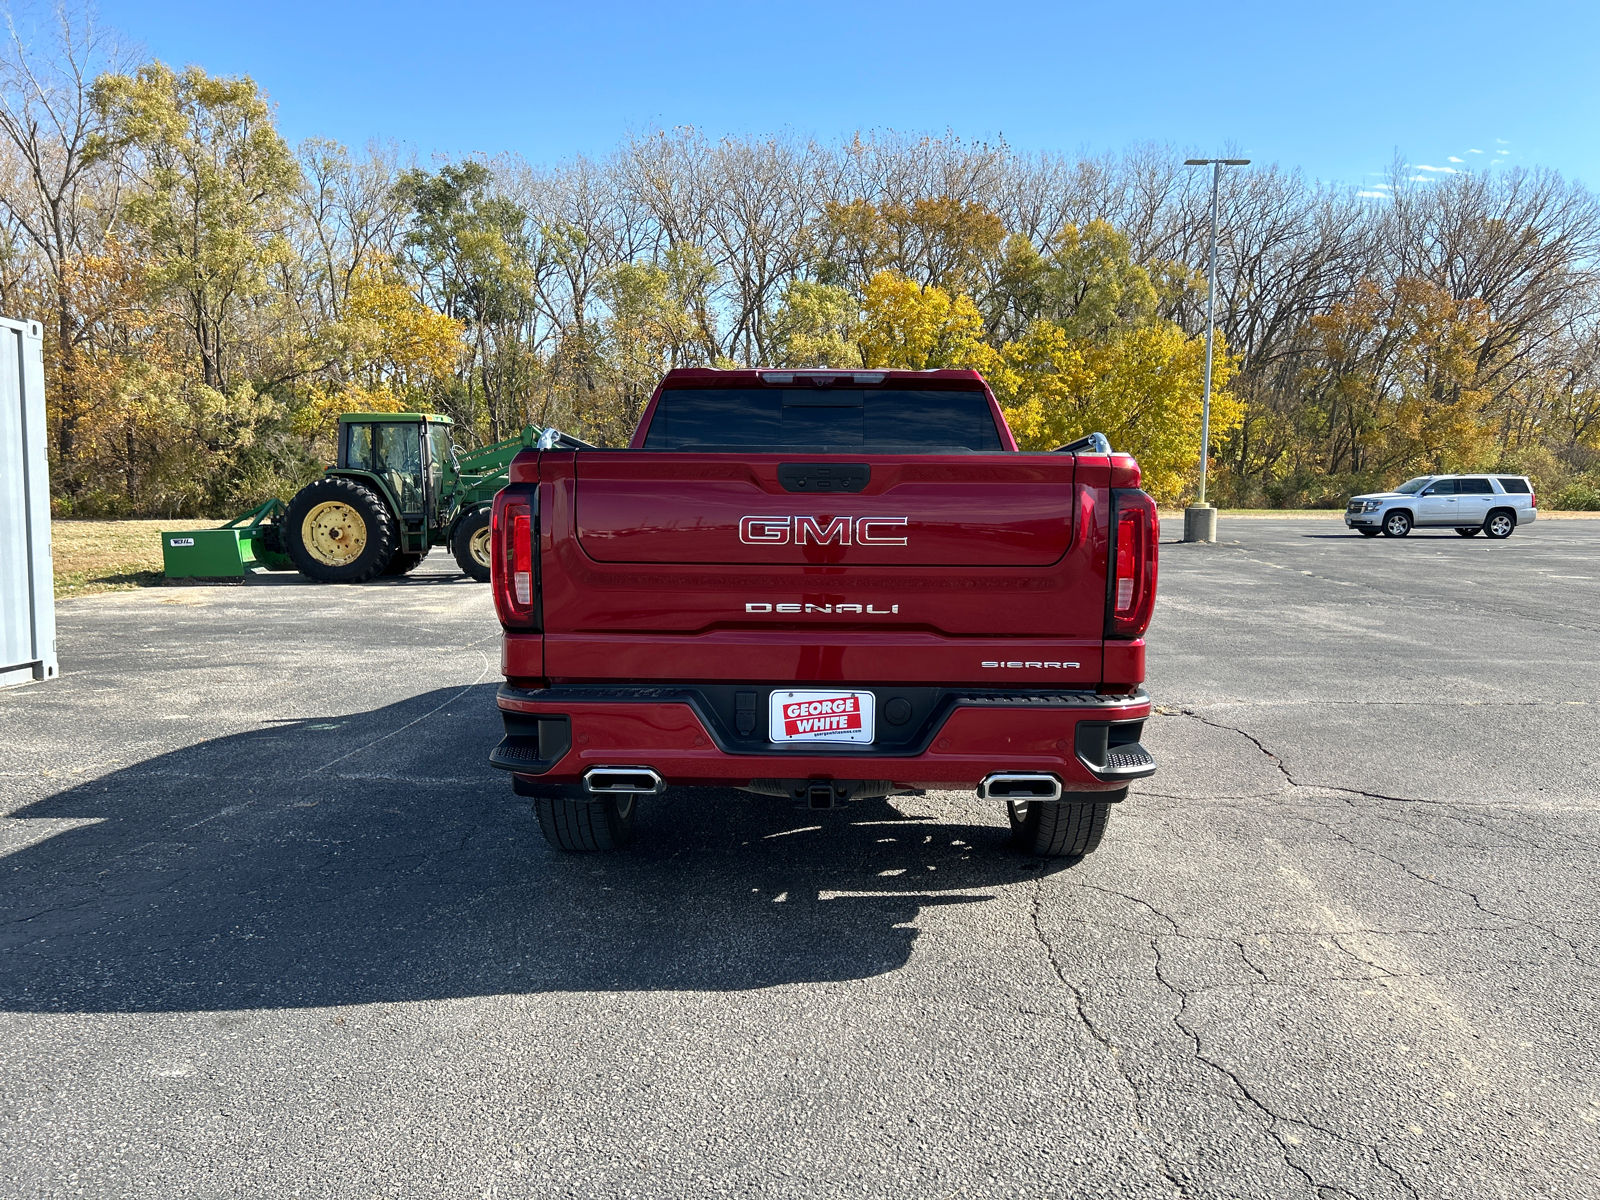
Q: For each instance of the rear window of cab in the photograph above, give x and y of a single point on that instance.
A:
(820, 421)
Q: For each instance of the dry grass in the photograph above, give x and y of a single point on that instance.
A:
(109, 556)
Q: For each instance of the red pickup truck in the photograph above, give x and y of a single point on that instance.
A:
(824, 586)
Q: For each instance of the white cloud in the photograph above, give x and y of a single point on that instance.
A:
(1421, 179)
(1474, 151)
(1453, 158)
(1502, 152)
(1373, 195)
(1501, 142)
(1445, 170)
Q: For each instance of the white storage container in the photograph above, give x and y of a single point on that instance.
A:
(27, 581)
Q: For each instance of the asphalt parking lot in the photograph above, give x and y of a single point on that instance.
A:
(269, 925)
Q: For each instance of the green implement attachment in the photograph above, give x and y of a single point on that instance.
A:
(245, 543)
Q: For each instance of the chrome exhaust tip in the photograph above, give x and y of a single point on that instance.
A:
(612, 781)
(1019, 785)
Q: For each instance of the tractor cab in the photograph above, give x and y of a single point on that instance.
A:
(408, 455)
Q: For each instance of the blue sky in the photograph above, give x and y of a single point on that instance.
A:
(1335, 89)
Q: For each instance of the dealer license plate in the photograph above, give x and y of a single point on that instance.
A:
(822, 716)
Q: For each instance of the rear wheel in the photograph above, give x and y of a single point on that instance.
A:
(1368, 532)
(1397, 524)
(575, 825)
(1468, 530)
(472, 545)
(1058, 828)
(1500, 523)
(339, 531)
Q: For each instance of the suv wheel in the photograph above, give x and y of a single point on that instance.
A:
(1397, 524)
(1500, 523)
(1367, 532)
(1468, 530)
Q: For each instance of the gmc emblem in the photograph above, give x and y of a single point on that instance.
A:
(779, 531)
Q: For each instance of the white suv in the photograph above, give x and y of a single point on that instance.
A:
(1470, 504)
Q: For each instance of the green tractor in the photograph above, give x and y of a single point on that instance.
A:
(398, 489)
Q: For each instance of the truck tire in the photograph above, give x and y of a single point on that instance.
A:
(404, 562)
(576, 825)
(471, 545)
(1058, 828)
(1500, 523)
(339, 531)
(1397, 524)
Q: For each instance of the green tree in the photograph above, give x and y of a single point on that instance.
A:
(215, 180)
(660, 318)
(477, 257)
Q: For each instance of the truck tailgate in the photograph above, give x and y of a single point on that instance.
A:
(967, 510)
(977, 568)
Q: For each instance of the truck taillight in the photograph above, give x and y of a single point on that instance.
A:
(1136, 531)
(515, 567)
(522, 556)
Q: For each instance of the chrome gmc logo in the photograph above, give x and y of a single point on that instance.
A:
(823, 531)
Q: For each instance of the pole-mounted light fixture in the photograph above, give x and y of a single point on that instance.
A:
(1200, 521)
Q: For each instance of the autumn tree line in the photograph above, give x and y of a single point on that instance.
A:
(213, 297)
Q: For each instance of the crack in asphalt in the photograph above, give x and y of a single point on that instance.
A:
(1450, 810)
(1477, 900)
(1246, 1102)
(1113, 1052)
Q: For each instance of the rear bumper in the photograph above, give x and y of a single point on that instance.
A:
(954, 738)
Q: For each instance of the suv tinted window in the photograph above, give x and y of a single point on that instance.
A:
(1474, 487)
(822, 419)
(1516, 487)
(1444, 487)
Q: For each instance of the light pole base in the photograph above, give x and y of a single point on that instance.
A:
(1200, 523)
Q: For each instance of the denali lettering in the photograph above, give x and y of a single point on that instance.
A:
(1062, 666)
(833, 609)
(778, 530)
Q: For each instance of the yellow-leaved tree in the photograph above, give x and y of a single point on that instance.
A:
(394, 351)
(913, 328)
(1141, 387)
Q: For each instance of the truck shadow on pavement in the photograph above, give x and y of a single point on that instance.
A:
(376, 857)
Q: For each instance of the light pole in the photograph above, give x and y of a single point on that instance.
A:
(1200, 519)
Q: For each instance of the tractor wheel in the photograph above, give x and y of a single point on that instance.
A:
(404, 562)
(473, 546)
(339, 531)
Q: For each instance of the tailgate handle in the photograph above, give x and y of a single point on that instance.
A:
(824, 477)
